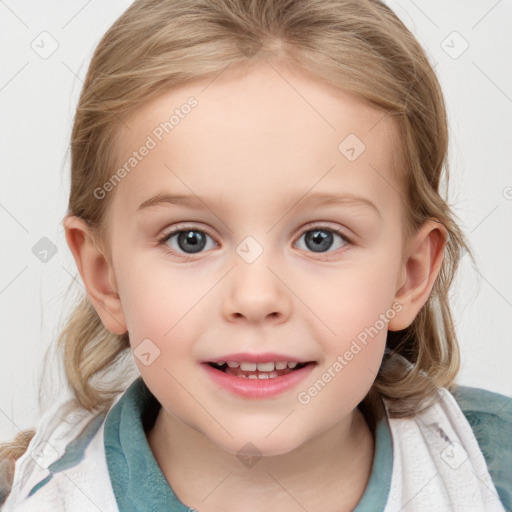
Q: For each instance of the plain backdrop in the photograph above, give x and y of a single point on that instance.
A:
(45, 48)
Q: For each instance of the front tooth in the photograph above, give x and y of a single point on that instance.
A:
(220, 363)
(233, 364)
(253, 376)
(266, 367)
(292, 365)
(263, 376)
(248, 367)
(281, 365)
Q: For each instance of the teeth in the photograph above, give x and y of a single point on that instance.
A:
(247, 366)
(270, 375)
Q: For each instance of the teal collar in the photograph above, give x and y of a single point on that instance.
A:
(139, 484)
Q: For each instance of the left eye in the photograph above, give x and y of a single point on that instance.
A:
(321, 238)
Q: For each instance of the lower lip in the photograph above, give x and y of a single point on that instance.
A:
(258, 388)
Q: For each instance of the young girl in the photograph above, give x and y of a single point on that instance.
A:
(274, 374)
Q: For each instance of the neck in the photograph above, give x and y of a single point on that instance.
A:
(329, 472)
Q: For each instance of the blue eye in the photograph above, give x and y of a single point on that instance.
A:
(188, 241)
(193, 240)
(320, 239)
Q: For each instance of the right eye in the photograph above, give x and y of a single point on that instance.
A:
(187, 240)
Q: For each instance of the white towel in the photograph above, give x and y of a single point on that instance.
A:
(437, 463)
(84, 487)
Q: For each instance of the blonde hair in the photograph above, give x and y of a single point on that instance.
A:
(360, 46)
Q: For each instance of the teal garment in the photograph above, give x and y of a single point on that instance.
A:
(490, 417)
(139, 485)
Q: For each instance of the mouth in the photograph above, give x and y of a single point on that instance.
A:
(258, 376)
(265, 370)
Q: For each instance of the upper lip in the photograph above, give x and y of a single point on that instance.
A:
(258, 358)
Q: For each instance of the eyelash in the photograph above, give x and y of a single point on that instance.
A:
(319, 227)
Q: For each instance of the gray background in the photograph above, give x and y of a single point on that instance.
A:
(38, 93)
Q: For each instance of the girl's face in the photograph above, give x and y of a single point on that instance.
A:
(264, 264)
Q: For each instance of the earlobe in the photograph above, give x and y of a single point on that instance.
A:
(96, 273)
(419, 272)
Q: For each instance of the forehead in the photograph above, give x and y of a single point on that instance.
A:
(257, 132)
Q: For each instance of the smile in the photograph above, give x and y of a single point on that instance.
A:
(250, 370)
(257, 380)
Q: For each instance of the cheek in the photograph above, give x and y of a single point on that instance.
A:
(161, 329)
(157, 298)
(353, 299)
(162, 332)
(355, 307)
(352, 347)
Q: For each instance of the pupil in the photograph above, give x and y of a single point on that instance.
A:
(321, 237)
(191, 238)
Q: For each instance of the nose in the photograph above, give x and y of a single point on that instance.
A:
(256, 292)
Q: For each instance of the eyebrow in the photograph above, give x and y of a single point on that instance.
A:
(313, 200)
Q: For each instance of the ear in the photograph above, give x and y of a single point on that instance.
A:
(420, 269)
(96, 272)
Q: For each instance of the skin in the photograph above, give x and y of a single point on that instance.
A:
(253, 141)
